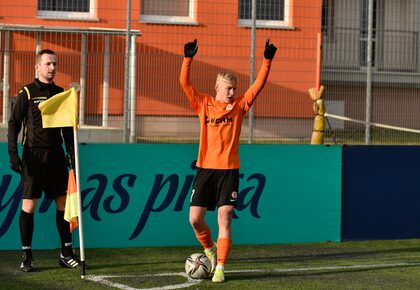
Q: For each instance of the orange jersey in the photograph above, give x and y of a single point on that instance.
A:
(220, 123)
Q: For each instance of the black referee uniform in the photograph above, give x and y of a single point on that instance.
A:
(44, 167)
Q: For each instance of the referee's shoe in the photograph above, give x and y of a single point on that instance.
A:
(71, 261)
(27, 264)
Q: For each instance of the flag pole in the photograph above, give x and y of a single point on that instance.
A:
(57, 112)
(79, 198)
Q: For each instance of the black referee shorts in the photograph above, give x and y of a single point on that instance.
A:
(215, 187)
(44, 170)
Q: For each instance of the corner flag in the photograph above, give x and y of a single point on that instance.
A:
(71, 211)
(60, 110)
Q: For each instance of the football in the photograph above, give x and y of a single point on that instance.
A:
(198, 266)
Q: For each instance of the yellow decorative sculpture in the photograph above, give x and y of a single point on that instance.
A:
(319, 109)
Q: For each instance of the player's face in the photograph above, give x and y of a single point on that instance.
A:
(46, 67)
(225, 91)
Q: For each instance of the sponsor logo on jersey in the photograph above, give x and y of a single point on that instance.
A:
(217, 121)
(38, 100)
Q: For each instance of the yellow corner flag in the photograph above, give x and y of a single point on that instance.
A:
(60, 110)
(71, 211)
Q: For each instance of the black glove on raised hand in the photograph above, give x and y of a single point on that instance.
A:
(190, 48)
(15, 162)
(270, 50)
(71, 162)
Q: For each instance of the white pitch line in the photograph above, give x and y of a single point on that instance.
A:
(190, 282)
(103, 279)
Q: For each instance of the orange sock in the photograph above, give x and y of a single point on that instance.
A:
(205, 239)
(223, 249)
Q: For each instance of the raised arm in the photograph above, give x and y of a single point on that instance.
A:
(257, 86)
(190, 49)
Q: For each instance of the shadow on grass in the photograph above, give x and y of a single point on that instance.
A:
(273, 274)
(316, 254)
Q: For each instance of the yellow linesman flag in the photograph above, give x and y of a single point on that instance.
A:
(71, 211)
(60, 110)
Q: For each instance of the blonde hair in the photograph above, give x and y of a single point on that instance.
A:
(227, 76)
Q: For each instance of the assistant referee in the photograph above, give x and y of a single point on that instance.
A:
(43, 167)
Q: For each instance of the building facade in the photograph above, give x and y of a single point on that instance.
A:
(126, 65)
(395, 67)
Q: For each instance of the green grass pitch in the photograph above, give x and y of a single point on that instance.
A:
(346, 265)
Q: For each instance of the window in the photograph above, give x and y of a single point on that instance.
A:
(328, 19)
(269, 13)
(167, 11)
(364, 17)
(67, 9)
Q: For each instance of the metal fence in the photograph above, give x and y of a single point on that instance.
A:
(371, 70)
(126, 65)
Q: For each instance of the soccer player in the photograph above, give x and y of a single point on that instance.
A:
(216, 183)
(43, 167)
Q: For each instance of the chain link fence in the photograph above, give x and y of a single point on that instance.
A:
(125, 58)
(379, 98)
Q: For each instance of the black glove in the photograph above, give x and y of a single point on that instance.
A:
(190, 48)
(71, 162)
(270, 50)
(15, 162)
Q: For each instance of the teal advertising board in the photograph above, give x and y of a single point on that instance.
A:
(137, 195)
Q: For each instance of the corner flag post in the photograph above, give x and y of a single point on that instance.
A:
(61, 110)
(79, 197)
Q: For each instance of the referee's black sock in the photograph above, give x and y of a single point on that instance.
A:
(26, 226)
(63, 228)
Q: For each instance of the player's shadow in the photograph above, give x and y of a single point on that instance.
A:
(275, 274)
(323, 256)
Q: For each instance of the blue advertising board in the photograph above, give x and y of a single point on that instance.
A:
(381, 192)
